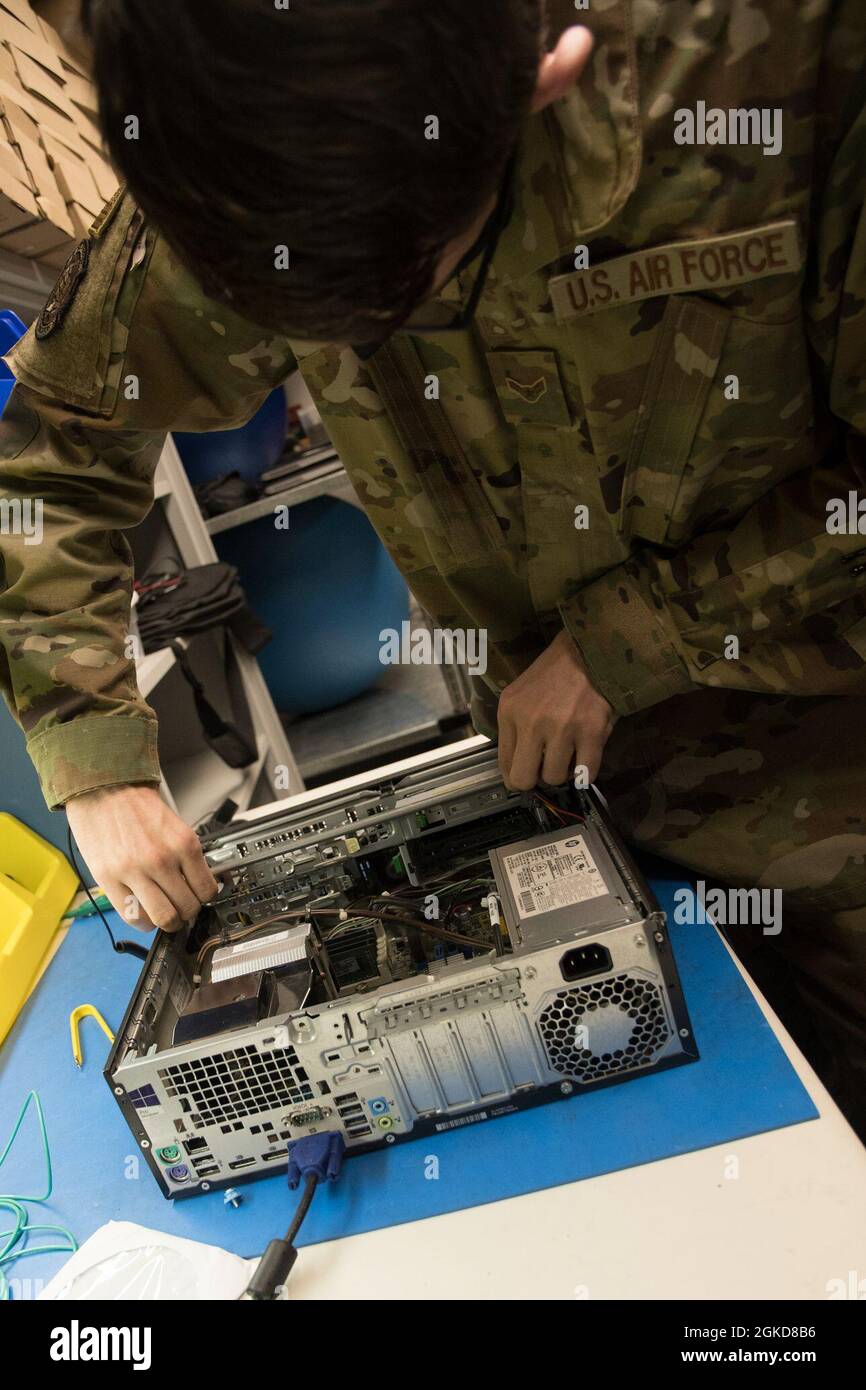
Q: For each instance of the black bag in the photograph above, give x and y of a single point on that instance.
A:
(172, 606)
(222, 736)
(183, 603)
(226, 493)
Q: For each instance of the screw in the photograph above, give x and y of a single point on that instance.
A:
(118, 1090)
(639, 941)
(659, 936)
(205, 1187)
(566, 1088)
(530, 972)
(684, 1032)
(145, 1143)
(231, 1198)
(390, 1138)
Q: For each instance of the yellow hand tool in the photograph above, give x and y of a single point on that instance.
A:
(85, 1011)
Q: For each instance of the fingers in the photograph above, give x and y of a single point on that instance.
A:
(183, 882)
(164, 898)
(196, 871)
(558, 758)
(124, 902)
(526, 763)
(507, 742)
(175, 887)
(537, 751)
(141, 903)
(150, 863)
(157, 909)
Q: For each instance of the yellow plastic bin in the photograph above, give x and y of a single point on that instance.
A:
(36, 886)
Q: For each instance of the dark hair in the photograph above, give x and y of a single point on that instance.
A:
(305, 127)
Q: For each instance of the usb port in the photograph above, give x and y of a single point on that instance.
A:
(348, 1110)
(207, 1172)
(241, 1163)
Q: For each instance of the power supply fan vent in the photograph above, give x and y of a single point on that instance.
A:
(231, 1085)
(610, 1025)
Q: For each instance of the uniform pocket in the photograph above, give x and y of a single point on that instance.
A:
(660, 477)
(404, 459)
(465, 528)
(566, 536)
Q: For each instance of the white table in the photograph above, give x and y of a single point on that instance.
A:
(794, 1219)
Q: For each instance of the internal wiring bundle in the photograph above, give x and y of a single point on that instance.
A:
(408, 914)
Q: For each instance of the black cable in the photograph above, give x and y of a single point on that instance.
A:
(303, 1207)
(123, 948)
(276, 1263)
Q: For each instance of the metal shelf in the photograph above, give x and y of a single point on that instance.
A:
(197, 783)
(151, 669)
(334, 484)
(407, 707)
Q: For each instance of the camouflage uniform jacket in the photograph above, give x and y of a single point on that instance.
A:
(639, 443)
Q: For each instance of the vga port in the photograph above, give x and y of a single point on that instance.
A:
(311, 1116)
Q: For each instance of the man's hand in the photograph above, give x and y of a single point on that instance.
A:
(145, 857)
(550, 719)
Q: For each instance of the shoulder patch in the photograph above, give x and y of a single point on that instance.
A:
(71, 363)
(64, 291)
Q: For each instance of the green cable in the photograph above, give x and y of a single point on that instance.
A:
(45, 1148)
(13, 1249)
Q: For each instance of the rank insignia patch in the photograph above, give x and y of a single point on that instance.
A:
(64, 291)
(531, 391)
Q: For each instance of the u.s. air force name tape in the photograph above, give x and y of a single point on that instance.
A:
(680, 266)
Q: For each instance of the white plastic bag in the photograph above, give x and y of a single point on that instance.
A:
(125, 1262)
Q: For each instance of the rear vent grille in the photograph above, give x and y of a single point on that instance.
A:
(608, 1026)
(232, 1085)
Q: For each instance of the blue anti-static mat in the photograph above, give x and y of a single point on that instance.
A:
(742, 1085)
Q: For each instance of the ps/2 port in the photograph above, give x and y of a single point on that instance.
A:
(169, 1154)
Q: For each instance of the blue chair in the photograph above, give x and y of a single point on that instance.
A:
(326, 588)
(250, 450)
